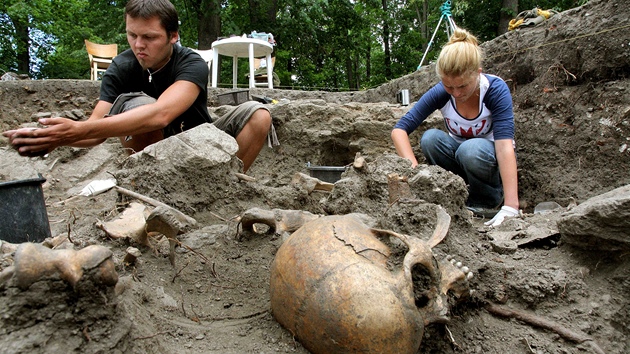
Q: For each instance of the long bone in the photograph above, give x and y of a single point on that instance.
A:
(34, 262)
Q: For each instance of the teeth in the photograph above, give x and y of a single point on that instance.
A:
(458, 264)
(465, 269)
(469, 275)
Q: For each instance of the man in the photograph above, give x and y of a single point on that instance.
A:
(175, 81)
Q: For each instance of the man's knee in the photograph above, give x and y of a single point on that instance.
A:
(260, 120)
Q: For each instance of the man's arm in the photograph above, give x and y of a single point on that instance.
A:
(62, 132)
(101, 109)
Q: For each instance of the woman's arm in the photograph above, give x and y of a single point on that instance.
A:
(506, 158)
(403, 146)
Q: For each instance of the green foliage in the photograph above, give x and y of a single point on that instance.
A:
(322, 44)
(66, 63)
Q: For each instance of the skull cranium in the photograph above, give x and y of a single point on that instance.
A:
(332, 287)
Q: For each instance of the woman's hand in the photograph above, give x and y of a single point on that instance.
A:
(505, 212)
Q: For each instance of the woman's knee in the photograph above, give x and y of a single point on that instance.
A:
(476, 154)
(430, 138)
(477, 148)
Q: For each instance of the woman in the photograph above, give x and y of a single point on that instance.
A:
(478, 116)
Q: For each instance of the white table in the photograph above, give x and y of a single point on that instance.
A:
(239, 47)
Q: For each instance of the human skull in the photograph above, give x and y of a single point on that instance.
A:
(332, 287)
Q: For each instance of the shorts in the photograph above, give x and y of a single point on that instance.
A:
(232, 122)
(129, 101)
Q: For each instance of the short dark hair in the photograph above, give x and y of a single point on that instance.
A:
(146, 9)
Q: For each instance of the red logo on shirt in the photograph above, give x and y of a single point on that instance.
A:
(466, 132)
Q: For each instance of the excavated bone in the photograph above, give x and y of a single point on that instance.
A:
(34, 262)
(284, 222)
(7, 247)
(131, 255)
(332, 287)
(170, 223)
(311, 183)
(398, 187)
(60, 241)
(129, 224)
(359, 162)
(244, 177)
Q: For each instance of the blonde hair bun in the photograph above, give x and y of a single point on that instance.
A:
(460, 56)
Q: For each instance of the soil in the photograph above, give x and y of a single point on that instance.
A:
(569, 80)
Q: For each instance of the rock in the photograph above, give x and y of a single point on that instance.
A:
(599, 223)
(504, 246)
(546, 207)
(184, 169)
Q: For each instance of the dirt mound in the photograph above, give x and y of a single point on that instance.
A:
(569, 79)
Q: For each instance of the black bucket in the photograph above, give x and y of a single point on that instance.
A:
(23, 216)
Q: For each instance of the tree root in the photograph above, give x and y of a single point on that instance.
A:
(540, 322)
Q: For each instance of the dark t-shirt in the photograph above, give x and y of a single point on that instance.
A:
(125, 75)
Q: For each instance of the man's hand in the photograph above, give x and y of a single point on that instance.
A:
(17, 139)
(505, 212)
(40, 141)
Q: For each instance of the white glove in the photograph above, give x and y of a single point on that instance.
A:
(505, 212)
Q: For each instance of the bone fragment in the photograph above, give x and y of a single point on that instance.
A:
(311, 183)
(284, 222)
(7, 247)
(60, 241)
(244, 177)
(132, 255)
(359, 161)
(34, 262)
(441, 227)
(145, 199)
(540, 322)
(170, 223)
(398, 188)
(129, 224)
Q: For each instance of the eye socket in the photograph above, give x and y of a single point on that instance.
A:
(422, 284)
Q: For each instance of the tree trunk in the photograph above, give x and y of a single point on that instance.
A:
(425, 19)
(368, 64)
(509, 10)
(209, 22)
(351, 71)
(22, 45)
(262, 15)
(388, 57)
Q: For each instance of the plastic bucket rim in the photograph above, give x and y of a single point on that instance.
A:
(327, 168)
(38, 180)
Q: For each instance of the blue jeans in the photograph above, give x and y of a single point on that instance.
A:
(474, 160)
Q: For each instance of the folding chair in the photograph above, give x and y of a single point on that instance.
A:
(100, 56)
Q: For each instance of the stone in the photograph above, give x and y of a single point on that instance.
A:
(600, 223)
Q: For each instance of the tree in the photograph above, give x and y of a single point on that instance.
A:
(18, 20)
(509, 10)
(201, 22)
(322, 44)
